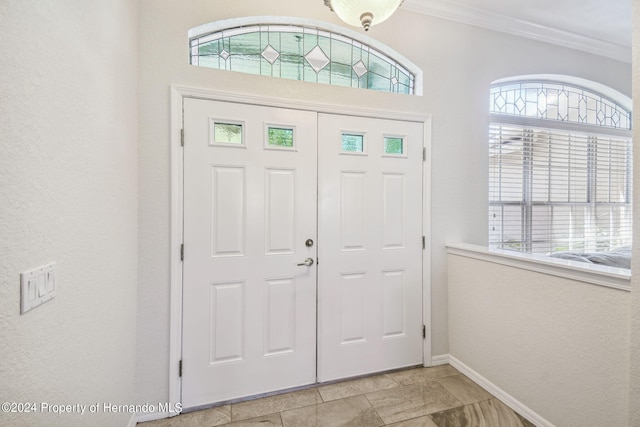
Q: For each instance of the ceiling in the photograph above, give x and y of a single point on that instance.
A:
(597, 26)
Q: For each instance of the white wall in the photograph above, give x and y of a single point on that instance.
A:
(634, 397)
(68, 180)
(558, 346)
(459, 62)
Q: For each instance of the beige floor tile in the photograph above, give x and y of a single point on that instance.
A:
(489, 413)
(273, 404)
(204, 418)
(465, 390)
(421, 375)
(423, 397)
(411, 401)
(271, 420)
(356, 387)
(353, 412)
(416, 422)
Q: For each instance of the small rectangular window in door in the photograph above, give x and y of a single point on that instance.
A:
(353, 143)
(227, 133)
(280, 137)
(394, 145)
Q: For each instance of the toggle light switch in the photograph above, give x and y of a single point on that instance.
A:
(37, 286)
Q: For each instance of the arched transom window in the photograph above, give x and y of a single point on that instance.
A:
(557, 101)
(280, 47)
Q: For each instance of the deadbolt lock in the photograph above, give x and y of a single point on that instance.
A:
(308, 243)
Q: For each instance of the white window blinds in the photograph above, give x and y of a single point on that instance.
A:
(556, 190)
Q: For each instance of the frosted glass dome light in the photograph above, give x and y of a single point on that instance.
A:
(363, 12)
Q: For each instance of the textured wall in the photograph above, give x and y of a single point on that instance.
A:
(68, 180)
(458, 61)
(634, 397)
(558, 346)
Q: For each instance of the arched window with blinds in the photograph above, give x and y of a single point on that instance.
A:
(560, 177)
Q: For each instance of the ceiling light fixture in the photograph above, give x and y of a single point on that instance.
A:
(363, 12)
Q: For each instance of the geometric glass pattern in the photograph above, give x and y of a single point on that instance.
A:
(317, 59)
(393, 145)
(270, 54)
(280, 137)
(360, 69)
(557, 101)
(301, 53)
(352, 143)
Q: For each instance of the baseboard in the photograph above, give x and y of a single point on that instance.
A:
(441, 359)
(132, 421)
(153, 416)
(502, 395)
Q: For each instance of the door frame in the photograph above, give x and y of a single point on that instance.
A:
(178, 94)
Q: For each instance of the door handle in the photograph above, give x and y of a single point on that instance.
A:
(308, 262)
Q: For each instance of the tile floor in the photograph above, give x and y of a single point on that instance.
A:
(422, 397)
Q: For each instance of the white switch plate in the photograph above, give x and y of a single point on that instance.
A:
(37, 286)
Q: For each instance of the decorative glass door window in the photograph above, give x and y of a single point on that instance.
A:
(352, 143)
(301, 53)
(393, 145)
(227, 133)
(279, 137)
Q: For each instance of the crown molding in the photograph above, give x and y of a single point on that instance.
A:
(517, 27)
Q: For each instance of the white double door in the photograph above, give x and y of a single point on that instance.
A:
(302, 248)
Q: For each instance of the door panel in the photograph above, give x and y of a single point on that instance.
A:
(370, 249)
(255, 180)
(249, 311)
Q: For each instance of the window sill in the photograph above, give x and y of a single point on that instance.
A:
(611, 277)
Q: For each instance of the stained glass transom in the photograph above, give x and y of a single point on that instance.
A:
(561, 102)
(301, 53)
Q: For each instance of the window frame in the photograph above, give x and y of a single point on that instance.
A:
(323, 29)
(536, 123)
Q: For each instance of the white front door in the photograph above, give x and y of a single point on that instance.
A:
(370, 245)
(250, 192)
(251, 195)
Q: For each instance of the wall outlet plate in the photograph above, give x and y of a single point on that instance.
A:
(37, 286)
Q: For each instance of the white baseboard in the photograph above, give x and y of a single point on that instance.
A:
(441, 359)
(502, 395)
(152, 416)
(132, 421)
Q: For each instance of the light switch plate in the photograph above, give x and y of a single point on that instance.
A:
(37, 286)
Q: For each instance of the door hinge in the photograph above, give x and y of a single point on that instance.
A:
(182, 137)
(180, 368)
(182, 252)
(424, 242)
(424, 334)
(424, 154)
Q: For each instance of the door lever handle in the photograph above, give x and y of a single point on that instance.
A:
(308, 262)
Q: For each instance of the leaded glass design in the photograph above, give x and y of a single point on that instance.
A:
(352, 143)
(301, 53)
(561, 102)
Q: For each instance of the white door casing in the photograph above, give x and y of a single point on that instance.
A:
(249, 317)
(370, 247)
